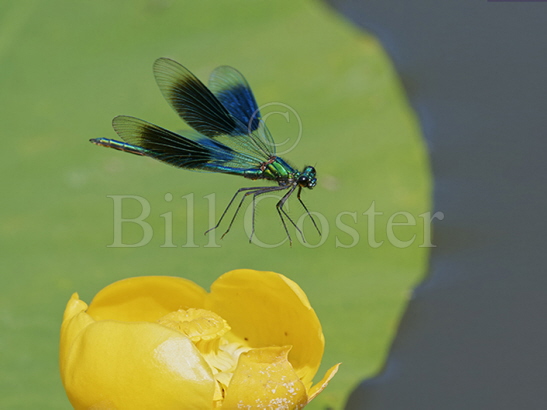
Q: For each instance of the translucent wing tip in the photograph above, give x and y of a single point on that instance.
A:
(167, 67)
(163, 61)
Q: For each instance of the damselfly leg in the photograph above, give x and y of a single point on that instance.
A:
(306, 209)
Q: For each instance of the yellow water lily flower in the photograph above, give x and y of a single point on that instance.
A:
(159, 342)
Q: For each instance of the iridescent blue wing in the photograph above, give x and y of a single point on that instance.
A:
(191, 151)
(234, 93)
(205, 113)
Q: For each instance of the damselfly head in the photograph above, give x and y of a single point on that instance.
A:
(307, 178)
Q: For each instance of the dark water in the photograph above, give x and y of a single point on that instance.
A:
(475, 335)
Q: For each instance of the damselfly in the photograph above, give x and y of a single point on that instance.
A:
(228, 136)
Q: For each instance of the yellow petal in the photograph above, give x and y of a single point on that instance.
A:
(318, 388)
(74, 307)
(114, 365)
(75, 319)
(268, 309)
(265, 379)
(145, 298)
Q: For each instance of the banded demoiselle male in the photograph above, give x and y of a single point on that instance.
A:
(228, 136)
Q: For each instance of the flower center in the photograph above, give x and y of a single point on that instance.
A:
(200, 325)
(206, 330)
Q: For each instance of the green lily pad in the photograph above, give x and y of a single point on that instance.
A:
(69, 67)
